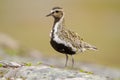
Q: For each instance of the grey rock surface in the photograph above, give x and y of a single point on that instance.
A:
(12, 63)
(42, 72)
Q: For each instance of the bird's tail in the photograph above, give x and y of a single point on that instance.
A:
(88, 46)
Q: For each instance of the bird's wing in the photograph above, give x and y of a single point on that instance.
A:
(71, 37)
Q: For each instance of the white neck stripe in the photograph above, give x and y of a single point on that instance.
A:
(57, 39)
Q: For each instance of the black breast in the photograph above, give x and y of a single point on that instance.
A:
(61, 48)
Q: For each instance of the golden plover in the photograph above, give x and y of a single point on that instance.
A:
(64, 40)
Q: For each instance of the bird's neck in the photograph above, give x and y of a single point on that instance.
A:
(58, 26)
(58, 22)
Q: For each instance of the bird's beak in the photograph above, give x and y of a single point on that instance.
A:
(49, 14)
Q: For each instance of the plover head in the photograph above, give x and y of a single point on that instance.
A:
(56, 12)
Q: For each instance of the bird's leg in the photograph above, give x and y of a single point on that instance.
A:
(72, 60)
(66, 60)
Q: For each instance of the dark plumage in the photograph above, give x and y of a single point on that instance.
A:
(56, 8)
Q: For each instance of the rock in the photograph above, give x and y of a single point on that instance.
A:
(43, 72)
(6, 64)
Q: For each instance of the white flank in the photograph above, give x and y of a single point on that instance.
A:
(57, 39)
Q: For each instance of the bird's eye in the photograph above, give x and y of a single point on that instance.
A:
(56, 11)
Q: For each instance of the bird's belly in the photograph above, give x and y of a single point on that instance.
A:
(61, 48)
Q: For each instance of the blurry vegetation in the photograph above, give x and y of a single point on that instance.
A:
(97, 21)
(39, 63)
(1, 65)
(86, 71)
(28, 64)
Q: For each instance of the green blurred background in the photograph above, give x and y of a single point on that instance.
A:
(97, 22)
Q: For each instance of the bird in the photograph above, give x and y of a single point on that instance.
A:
(64, 40)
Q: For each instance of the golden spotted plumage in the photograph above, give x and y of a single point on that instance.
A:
(70, 37)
